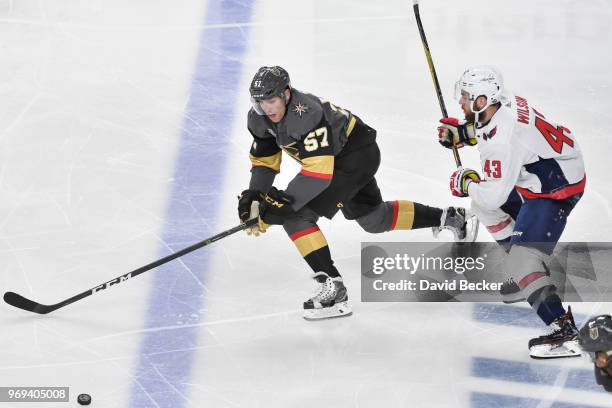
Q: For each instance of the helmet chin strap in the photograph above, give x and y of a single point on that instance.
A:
(478, 112)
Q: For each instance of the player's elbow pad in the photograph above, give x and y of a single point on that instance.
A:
(493, 202)
(489, 200)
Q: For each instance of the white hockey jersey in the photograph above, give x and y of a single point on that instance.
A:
(521, 148)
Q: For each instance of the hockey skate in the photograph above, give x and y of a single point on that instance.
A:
(330, 300)
(510, 292)
(561, 342)
(462, 224)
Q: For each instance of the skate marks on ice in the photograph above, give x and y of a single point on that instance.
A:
(514, 383)
(487, 400)
(534, 374)
(179, 295)
(506, 315)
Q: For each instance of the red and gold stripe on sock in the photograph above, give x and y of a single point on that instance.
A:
(308, 240)
(403, 215)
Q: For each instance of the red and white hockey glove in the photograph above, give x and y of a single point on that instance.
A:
(457, 132)
(461, 179)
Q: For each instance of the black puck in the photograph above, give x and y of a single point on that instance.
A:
(84, 399)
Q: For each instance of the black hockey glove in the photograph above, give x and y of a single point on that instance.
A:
(245, 199)
(276, 207)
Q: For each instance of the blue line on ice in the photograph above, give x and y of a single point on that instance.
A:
(488, 400)
(532, 373)
(178, 293)
(507, 315)
(521, 372)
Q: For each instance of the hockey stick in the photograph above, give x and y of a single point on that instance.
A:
(434, 77)
(19, 301)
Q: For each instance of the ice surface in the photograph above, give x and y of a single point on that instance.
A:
(123, 137)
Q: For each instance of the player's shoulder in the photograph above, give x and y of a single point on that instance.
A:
(500, 130)
(304, 113)
(523, 112)
(524, 116)
(313, 102)
(257, 124)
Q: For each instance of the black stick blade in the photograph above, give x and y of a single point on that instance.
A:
(20, 302)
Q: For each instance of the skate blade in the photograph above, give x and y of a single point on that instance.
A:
(471, 229)
(565, 350)
(511, 301)
(338, 310)
(513, 298)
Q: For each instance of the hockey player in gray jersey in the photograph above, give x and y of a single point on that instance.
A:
(339, 157)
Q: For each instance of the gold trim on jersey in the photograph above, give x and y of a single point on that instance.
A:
(273, 162)
(318, 165)
(350, 126)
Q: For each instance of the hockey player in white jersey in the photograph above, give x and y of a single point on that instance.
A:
(532, 177)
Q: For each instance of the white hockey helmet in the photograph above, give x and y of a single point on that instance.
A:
(480, 80)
